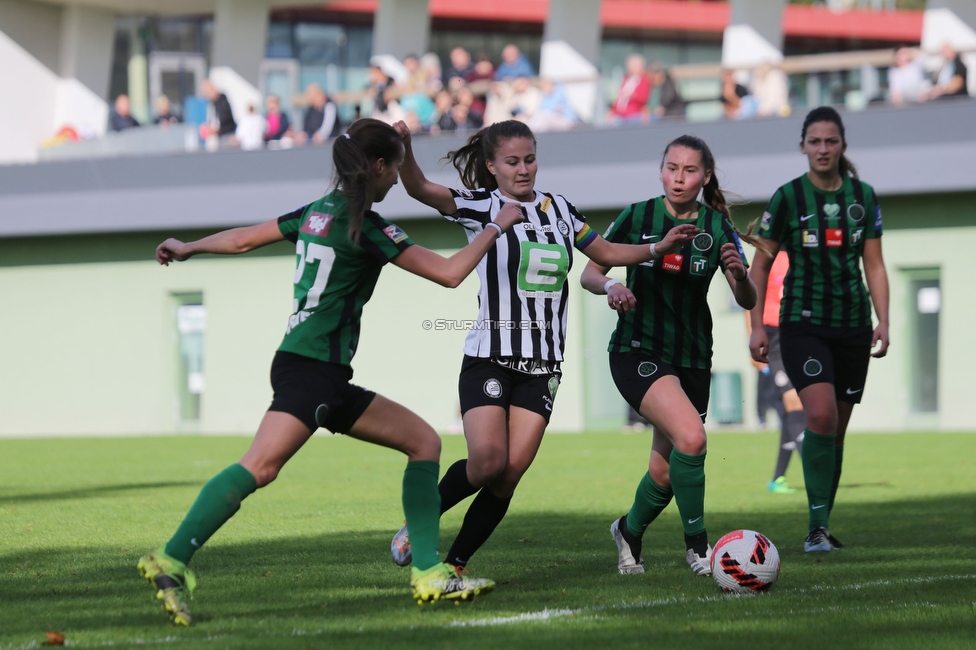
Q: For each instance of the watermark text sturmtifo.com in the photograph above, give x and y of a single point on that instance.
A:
(443, 324)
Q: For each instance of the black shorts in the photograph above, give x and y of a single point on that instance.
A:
(836, 355)
(634, 372)
(500, 382)
(775, 357)
(301, 384)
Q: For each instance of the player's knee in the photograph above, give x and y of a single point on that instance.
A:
(265, 474)
(424, 444)
(486, 466)
(692, 443)
(823, 421)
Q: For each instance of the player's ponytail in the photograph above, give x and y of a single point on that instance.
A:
(470, 159)
(829, 114)
(353, 154)
(712, 194)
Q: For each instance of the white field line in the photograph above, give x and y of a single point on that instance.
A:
(547, 615)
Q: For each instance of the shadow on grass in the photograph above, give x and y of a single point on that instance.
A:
(342, 590)
(90, 492)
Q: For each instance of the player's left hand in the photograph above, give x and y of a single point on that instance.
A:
(733, 261)
(621, 299)
(880, 336)
(171, 250)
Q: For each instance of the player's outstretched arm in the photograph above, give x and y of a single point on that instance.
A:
(608, 254)
(759, 274)
(229, 242)
(451, 271)
(594, 279)
(416, 184)
(877, 278)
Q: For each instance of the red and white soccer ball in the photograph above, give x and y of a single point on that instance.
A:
(744, 562)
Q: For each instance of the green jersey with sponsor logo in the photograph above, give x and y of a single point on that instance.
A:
(672, 321)
(335, 277)
(823, 233)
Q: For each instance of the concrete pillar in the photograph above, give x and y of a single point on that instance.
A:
(401, 27)
(87, 38)
(240, 36)
(138, 69)
(571, 51)
(755, 33)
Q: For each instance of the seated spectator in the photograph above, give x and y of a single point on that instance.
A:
(770, 88)
(906, 79)
(321, 120)
(514, 64)
(225, 124)
(952, 78)
(475, 105)
(525, 99)
(484, 69)
(669, 102)
(120, 119)
(443, 103)
(379, 83)
(635, 91)
(164, 116)
(464, 121)
(555, 113)
(737, 103)
(250, 132)
(498, 106)
(430, 74)
(278, 124)
(418, 103)
(461, 65)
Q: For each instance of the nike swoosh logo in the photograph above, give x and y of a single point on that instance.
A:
(194, 542)
(808, 216)
(691, 521)
(818, 507)
(648, 237)
(854, 392)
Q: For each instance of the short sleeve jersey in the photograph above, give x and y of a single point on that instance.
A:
(334, 277)
(823, 233)
(672, 321)
(522, 302)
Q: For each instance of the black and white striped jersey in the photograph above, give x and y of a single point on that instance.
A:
(524, 294)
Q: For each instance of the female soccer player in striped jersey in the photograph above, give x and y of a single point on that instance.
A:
(510, 370)
(826, 220)
(342, 246)
(661, 349)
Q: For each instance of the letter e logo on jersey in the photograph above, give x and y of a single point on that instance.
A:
(317, 224)
(673, 262)
(809, 239)
(542, 267)
(835, 237)
(394, 233)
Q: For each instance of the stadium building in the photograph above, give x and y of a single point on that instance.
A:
(96, 338)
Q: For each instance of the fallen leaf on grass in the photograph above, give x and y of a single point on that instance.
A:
(54, 638)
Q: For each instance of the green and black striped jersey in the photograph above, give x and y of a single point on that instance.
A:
(672, 321)
(823, 233)
(335, 277)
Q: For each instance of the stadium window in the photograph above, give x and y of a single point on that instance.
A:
(191, 325)
(925, 305)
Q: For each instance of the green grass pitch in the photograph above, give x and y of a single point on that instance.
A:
(305, 563)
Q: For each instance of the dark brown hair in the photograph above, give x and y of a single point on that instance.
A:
(470, 159)
(353, 153)
(711, 192)
(828, 114)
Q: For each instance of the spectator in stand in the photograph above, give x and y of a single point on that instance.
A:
(475, 105)
(225, 124)
(514, 64)
(442, 121)
(555, 113)
(771, 90)
(379, 83)
(484, 69)
(250, 132)
(278, 125)
(461, 66)
(464, 120)
(951, 81)
(321, 120)
(906, 80)
(525, 99)
(635, 91)
(120, 118)
(418, 103)
(737, 103)
(669, 102)
(430, 74)
(164, 115)
(498, 107)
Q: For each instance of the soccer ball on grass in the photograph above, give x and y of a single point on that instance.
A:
(744, 562)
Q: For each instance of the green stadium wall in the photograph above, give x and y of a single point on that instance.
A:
(89, 339)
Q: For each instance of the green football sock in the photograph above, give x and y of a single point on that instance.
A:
(819, 458)
(422, 508)
(688, 483)
(217, 502)
(649, 501)
(838, 463)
